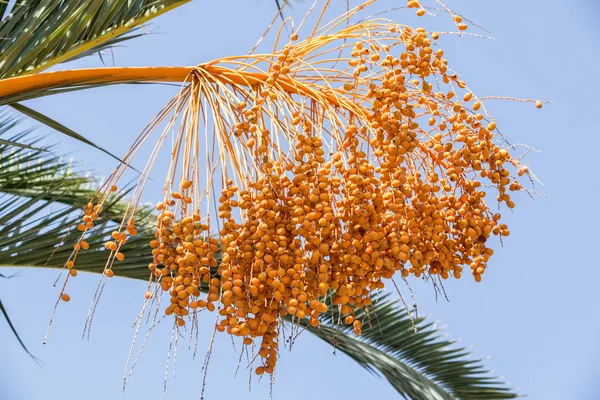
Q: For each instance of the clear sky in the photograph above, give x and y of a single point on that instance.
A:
(536, 310)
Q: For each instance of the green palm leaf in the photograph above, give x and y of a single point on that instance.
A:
(37, 34)
(40, 201)
(389, 343)
(58, 127)
(41, 198)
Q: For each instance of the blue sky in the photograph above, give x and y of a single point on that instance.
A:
(535, 312)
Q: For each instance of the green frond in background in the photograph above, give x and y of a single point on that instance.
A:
(421, 364)
(41, 199)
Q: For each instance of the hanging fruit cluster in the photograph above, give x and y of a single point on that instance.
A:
(342, 161)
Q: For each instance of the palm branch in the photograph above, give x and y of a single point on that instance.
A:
(41, 196)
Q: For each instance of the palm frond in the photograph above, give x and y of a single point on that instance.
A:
(41, 197)
(37, 34)
(58, 127)
(421, 364)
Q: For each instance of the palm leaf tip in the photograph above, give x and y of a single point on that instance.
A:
(15, 333)
(59, 128)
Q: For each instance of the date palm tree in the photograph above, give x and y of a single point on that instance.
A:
(40, 194)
